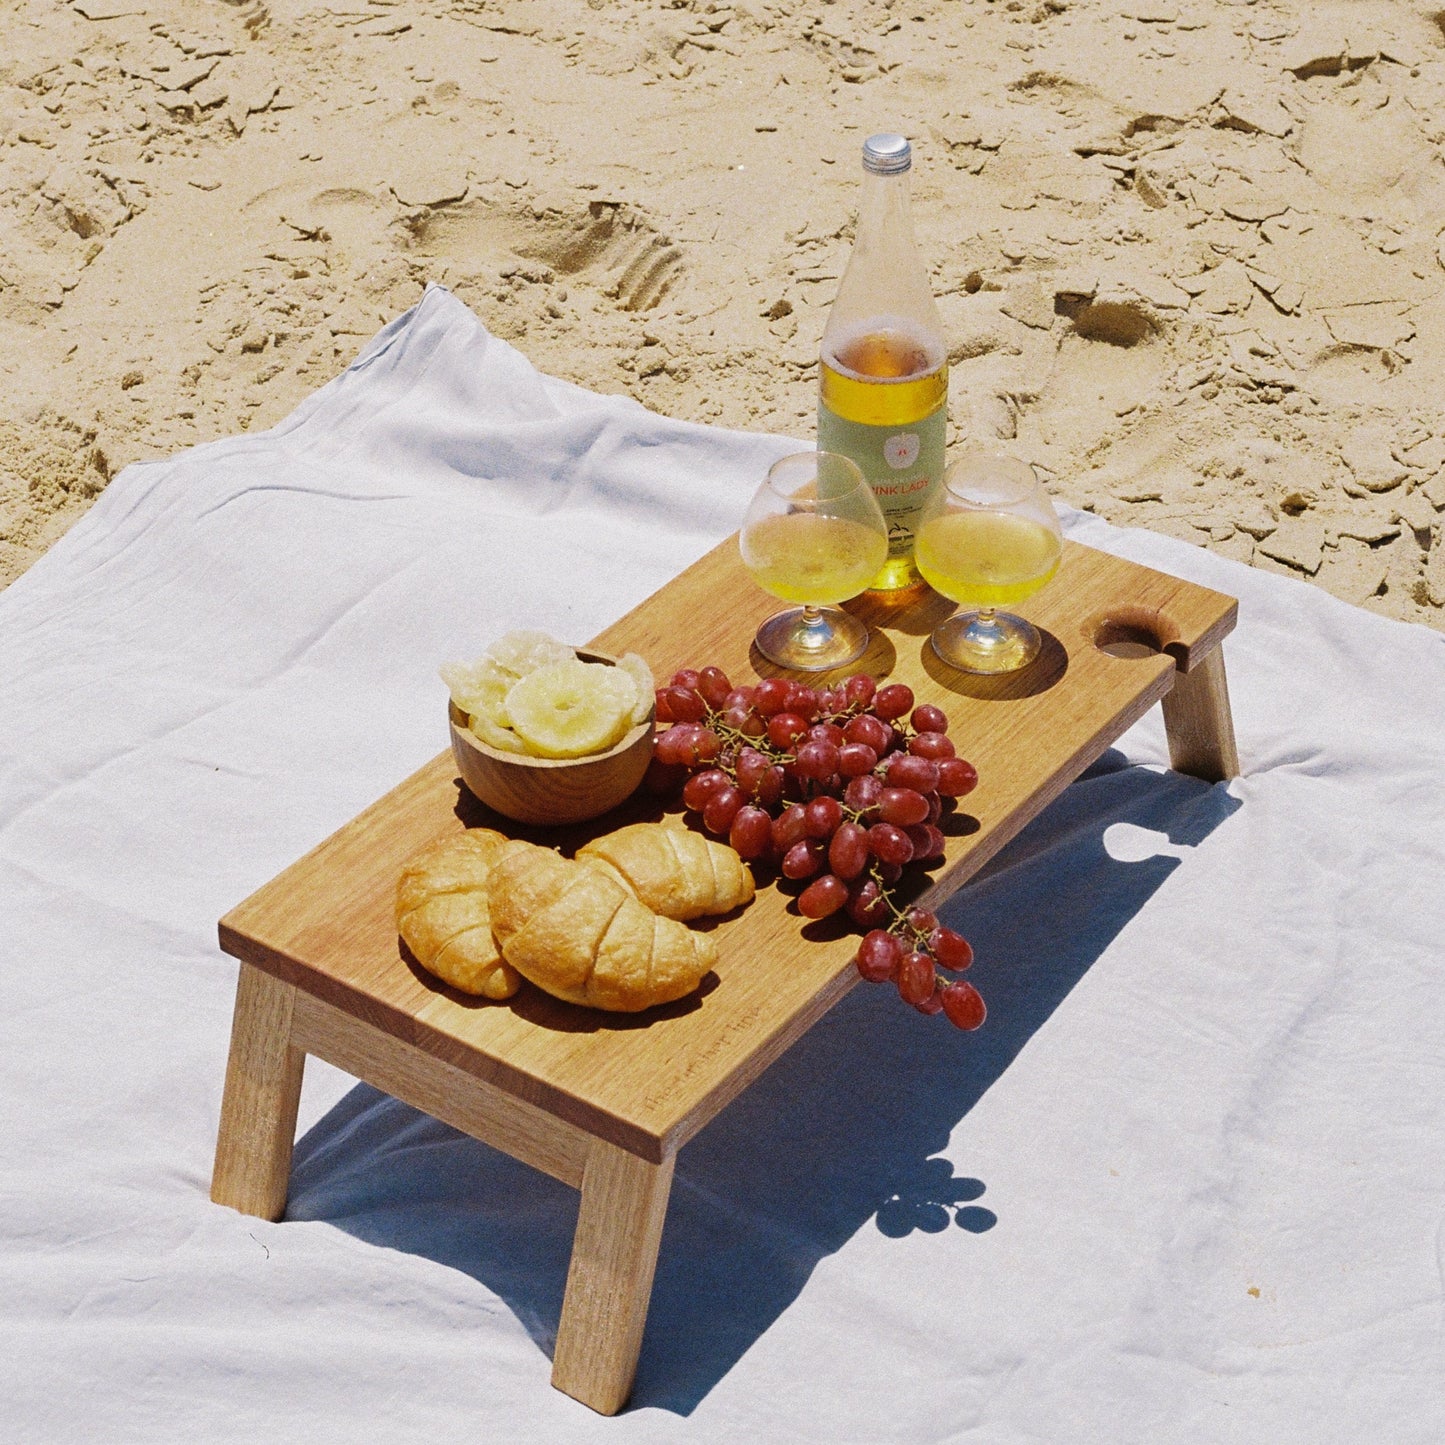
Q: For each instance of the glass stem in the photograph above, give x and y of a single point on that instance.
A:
(814, 629)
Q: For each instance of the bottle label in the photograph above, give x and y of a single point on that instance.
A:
(903, 465)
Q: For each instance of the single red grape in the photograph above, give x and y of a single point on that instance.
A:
(686, 677)
(713, 684)
(751, 833)
(956, 777)
(902, 806)
(888, 873)
(848, 851)
(818, 761)
(964, 1005)
(685, 704)
(662, 705)
(862, 794)
(935, 808)
(892, 701)
(867, 906)
(822, 896)
(803, 700)
(889, 844)
(739, 696)
(771, 696)
(865, 728)
(929, 719)
(933, 746)
(825, 732)
(790, 826)
(878, 956)
(749, 769)
(856, 759)
(701, 786)
(952, 950)
(804, 859)
(859, 689)
(822, 817)
(915, 978)
(907, 771)
(720, 810)
(784, 728)
(921, 919)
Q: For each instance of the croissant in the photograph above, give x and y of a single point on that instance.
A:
(583, 937)
(679, 874)
(443, 914)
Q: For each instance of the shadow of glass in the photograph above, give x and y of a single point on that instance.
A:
(824, 1144)
(1039, 676)
(914, 610)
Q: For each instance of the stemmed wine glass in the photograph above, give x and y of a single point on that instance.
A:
(990, 537)
(813, 535)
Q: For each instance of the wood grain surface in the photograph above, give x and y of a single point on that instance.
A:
(648, 1082)
(262, 1094)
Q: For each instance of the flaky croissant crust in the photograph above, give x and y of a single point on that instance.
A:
(443, 912)
(674, 872)
(580, 935)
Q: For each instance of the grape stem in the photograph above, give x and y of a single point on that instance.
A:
(734, 740)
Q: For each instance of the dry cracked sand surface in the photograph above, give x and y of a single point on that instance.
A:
(1188, 252)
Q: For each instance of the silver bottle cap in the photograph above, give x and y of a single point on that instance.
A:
(887, 154)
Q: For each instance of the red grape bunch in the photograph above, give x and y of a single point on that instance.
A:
(838, 789)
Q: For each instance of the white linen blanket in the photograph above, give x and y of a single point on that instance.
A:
(1186, 1185)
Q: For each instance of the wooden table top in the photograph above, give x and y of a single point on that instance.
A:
(648, 1082)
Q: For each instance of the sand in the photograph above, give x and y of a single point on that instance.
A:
(1187, 251)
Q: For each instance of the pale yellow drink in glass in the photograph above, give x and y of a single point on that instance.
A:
(807, 558)
(991, 538)
(986, 559)
(813, 535)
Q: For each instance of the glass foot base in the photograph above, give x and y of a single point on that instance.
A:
(806, 640)
(987, 643)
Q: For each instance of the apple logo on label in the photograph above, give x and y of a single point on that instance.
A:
(901, 451)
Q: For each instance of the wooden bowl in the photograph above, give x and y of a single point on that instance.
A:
(551, 791)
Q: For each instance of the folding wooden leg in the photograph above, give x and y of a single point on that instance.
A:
(1198, 723)
(609, 1283)
(258, 1109)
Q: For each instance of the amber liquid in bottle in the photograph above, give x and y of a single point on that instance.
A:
(890, 378)
(883, 378)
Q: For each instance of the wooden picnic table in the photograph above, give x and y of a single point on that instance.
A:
(601, 1101)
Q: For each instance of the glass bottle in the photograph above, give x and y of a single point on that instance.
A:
(883, 373)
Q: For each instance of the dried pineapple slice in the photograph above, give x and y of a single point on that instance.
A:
(495, 735)
(571, 709)
(524, 651)
(479, 687)
(641, 674)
